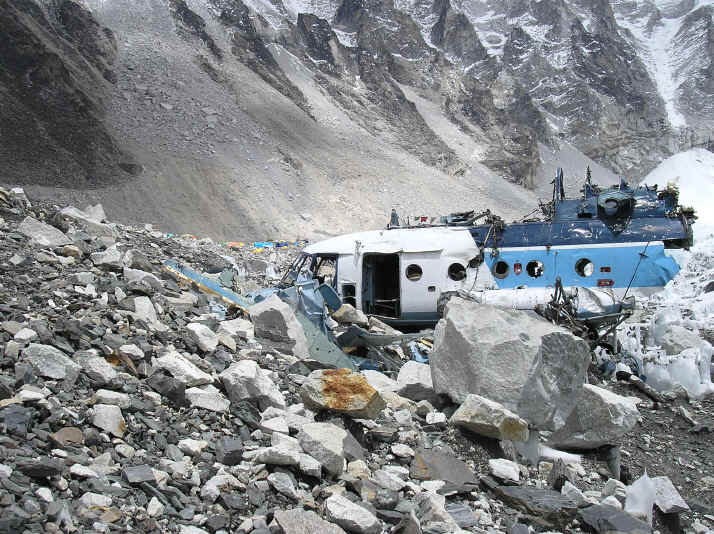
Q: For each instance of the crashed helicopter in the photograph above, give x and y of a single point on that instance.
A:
(594, 249)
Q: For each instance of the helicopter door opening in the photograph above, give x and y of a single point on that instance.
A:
(380, 285)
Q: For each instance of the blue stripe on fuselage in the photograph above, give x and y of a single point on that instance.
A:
(654, 270)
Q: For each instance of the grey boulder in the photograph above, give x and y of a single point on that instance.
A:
(600, 417)
(415, 382)
(351, 516)
(109, 259)
(273, 319)
(348, 314)
(488, 418)
(518, 359)
(43, 234)
(245, 380)
(50, 362)
(90, 219)
(330, 445)
(299, 521)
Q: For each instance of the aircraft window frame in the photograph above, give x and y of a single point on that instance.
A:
(537, 264)
(328, 261)
(304, 266)
(349, 293)
(456, 272)
(505, 272)
(581, 267)
(415, 277)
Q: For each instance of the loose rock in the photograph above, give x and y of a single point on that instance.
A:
(488, 418)
(341, 391)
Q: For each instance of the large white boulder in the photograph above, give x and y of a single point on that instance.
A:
(675, 338)
(504, 469)
(182, 369)
(518, 359)
(204, 337)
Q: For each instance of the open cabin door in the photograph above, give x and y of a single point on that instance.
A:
(380, 285)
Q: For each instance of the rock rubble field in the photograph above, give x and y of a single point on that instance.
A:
(131, 401)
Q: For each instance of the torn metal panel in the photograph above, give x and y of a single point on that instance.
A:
(321, 346)
(310, 307)
(359, 337)
(187, 275)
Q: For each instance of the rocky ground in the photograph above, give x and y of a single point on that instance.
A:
(133, 402)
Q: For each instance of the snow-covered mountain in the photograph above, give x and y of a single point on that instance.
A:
(675, 40)
(236, 117)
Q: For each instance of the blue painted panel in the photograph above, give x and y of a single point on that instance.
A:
(580, 232)
(655, 269)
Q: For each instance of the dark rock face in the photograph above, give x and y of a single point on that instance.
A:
(194, 25)
(695, 40)
(54, 67)
(601, 518)
(96, 43)
(315, 34)
(251, 49)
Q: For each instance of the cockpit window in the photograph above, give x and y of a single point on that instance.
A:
(325, 270)
(300, 269)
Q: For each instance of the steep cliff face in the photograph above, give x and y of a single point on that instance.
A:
(55, 68)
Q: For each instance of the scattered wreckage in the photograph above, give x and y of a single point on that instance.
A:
(576, 264)
(575, 267)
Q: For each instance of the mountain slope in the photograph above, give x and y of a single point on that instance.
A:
(270, 118)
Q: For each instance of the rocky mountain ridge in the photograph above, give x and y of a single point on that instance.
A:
(251, 110)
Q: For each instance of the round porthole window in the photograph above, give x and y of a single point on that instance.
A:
(500, 269)
(584, 267)
(535, 268)
(414, 272)
(457, 272)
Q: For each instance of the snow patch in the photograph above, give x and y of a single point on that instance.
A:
(683, 302)
(324, 9)
(693, 172)
(346, 38)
